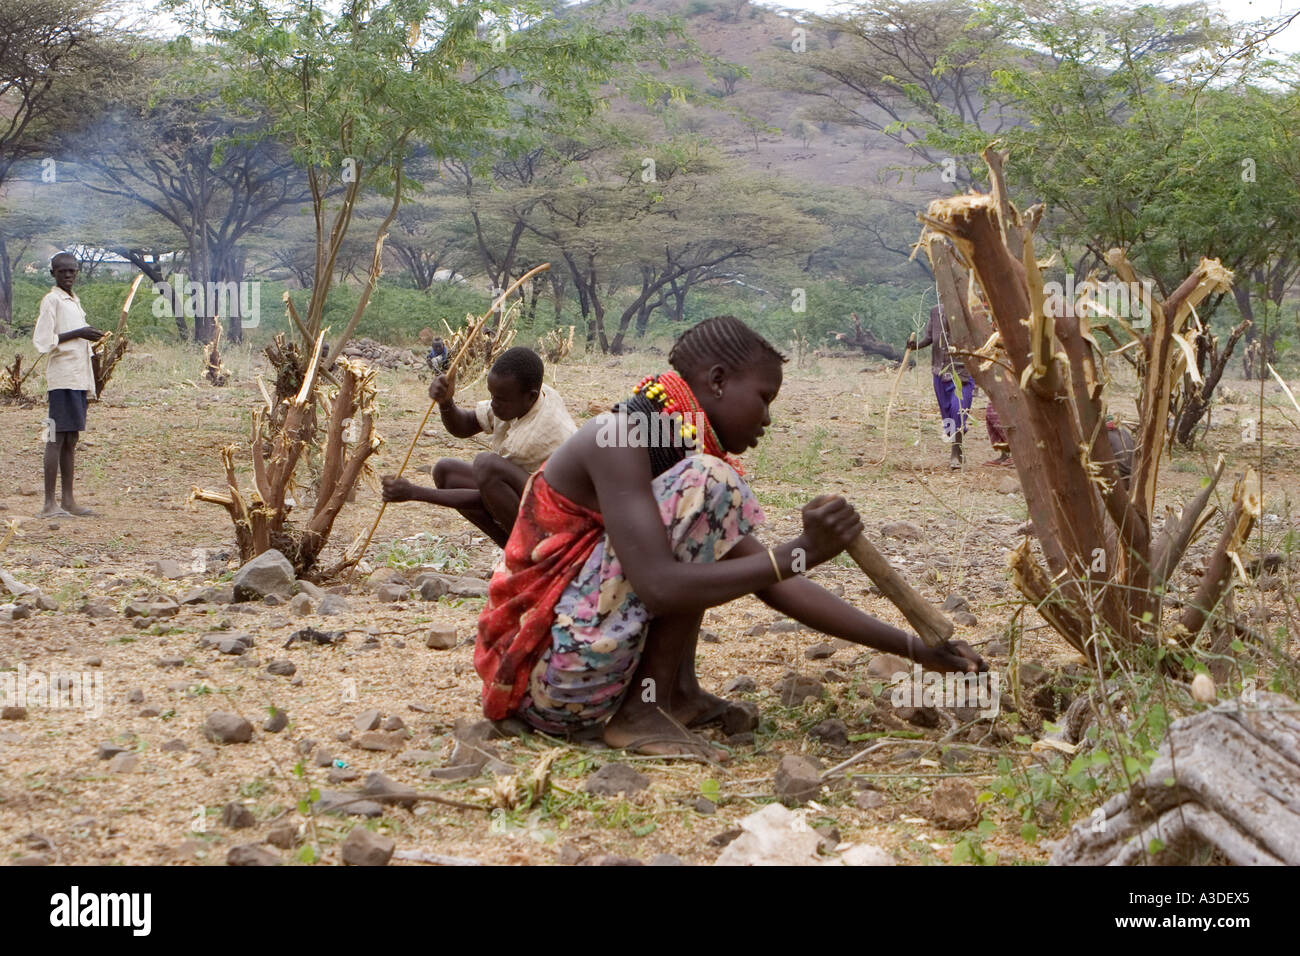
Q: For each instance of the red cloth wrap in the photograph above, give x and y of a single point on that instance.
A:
(550, 542)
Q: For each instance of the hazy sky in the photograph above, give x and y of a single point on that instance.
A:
(1286, 42)
(1243, 10)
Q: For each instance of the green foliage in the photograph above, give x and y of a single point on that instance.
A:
(426, 551)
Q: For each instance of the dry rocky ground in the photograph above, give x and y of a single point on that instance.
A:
(136, 597)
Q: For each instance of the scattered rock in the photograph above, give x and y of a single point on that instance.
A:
(746, 739)
(251, 854)
(270, 573)
(94, 662)
(341, 775)
(772, 836)
(392, 722)
(33, 859)
(175, 745)
(282, 668)
(323, 758)
(955, 602)
(276, 722)
(197, 596)
(237, 816)
(818, 652)
(665, 859)
(123, 763)
(366, 848)
(97, 609)
(441, 638)
(432, 587)
(885, 666)
(709, 637)
(224, 727)
(459, 586)
(232, 646)
(868, 799)
(387, 791)
(333, 801)
(1009, 485)
(13, 712)
(797, 780)
(300, 605)
(108, 750)
(304, 747)
(784, 627)
(366, 720)
(615, 778)
(952, 805)
(382, 576)
(724, 838)
(996, 649)
(149, 712)
(166, 568)
(381, 740)
(902, 530)
(832, 676)
(740, 717)
(162, 607)
(705, 806)
(331, 604)
(964, 619)
(312, 591)
(46, 603)
(283, 835)
(756, 630)
(135, 696)
(388, 593)
(794, 689)
(831, 732)
(740, 684)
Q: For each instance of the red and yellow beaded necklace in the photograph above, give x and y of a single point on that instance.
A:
(670, 394)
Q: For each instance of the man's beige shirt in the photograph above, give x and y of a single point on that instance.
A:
(69, 365)
(529, 439)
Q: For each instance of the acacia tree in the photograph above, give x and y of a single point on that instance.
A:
(59, 62)
(627, 236)
(1148, 129)
(176, 151)
(350, 90)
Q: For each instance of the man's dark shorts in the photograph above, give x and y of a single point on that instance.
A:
(68, 409)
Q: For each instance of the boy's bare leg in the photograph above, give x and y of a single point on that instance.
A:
(450, 473)
(53, 455)
(648, 719)
(691, 702)
(67, 468)
(501, 484)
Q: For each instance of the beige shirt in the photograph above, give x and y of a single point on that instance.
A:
(69, 365)
(529, 440)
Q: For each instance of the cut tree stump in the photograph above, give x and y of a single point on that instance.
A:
(1235, 795)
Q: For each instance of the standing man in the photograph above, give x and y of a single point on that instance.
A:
(62, 333)
(953, 386)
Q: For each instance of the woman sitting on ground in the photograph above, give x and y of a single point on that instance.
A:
(622, 544)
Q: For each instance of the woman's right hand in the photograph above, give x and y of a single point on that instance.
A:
(443, 388)
(830, 524)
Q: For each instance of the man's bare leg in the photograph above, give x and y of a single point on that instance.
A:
(501, 484)
(53, 455)
(67, 467)
(449, 473)
(648, 719)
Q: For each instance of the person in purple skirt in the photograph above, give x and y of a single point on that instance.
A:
(953, 385)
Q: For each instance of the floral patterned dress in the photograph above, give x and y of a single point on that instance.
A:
(600, 624)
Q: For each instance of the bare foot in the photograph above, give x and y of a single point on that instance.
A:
(79, 511)
(649, 731)
(699, 708)
(52, 510)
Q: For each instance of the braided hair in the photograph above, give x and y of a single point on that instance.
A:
(723, 339)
